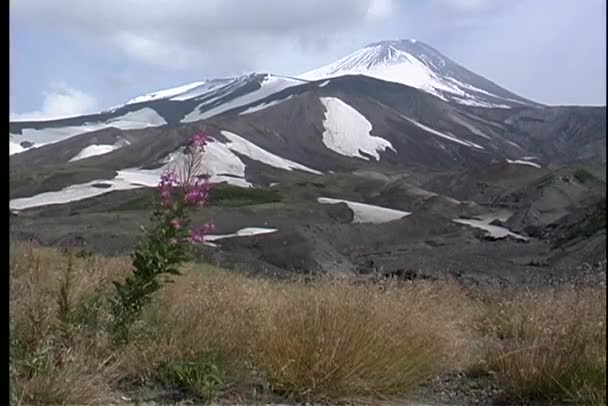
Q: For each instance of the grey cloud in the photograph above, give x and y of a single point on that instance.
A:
(470, 6)
(556, 57)
(551, 51)
(219, 35)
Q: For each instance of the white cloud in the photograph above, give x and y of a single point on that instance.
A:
(210, 35)
(469, 6)
(380, 9)
(154, 51)
(59, 102)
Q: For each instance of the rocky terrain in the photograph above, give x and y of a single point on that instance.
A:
(427, 178)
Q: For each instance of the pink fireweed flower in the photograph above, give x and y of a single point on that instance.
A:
(198, 236)
(169, 178)
(165, 187)
(199, 140)
(208, 227)
(176, 223)
(197, 192)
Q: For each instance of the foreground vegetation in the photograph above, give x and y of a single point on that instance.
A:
(214, 333)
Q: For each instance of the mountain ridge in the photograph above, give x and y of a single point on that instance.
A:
(433, 58)
(415, 63)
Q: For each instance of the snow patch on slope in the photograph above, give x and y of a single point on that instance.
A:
(493, 124)
(469, 126)
(223, 165)
(220, 162)
(241, 145)
(270, 85)
(514, 144)
(523, 162)
(165, 94)
(483, 222)
(367, 213)
(442, 135)
(94, 150)
(98, 149)
(142, 118)
(14, 148)
(347, 131)
(243, 232)
(478, 103)
(72, 193)
(124, 180)
(263, 106)
(204, 88)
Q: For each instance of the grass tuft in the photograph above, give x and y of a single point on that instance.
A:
(550, 345)
(334, 339)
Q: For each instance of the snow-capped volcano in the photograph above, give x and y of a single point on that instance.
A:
(416, 64)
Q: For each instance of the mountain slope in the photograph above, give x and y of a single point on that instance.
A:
(416, 64)
(185, 104)
(267, 128)
(344, 124)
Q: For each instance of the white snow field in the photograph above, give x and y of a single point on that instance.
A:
(367, 213)
(142, 118)
(347, 131)
(205, 88)
(222, 164)
(524, 162)
(469, 126)
(263, 106)
(99, 149)
(241, 145)
(270, 85)
(442, 135)
(243, 232)
(124, 180)
(14, 148)
(219, 161)
(166, 93)
(483, 222)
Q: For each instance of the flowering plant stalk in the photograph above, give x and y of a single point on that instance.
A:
(166, 244)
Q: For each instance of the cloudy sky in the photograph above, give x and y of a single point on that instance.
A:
(71, 56)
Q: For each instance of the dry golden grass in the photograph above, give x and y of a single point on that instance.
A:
(550, 345)
(52, 363)
(336, 339)
(204, 310)
(330, 338)
(66, 376)
(325, 339)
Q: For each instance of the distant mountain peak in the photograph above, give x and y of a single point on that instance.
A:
(402, 42)
(414, 63)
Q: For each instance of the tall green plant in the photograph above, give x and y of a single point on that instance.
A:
(165, 245)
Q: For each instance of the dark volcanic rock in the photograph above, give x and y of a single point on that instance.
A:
(339, 212)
